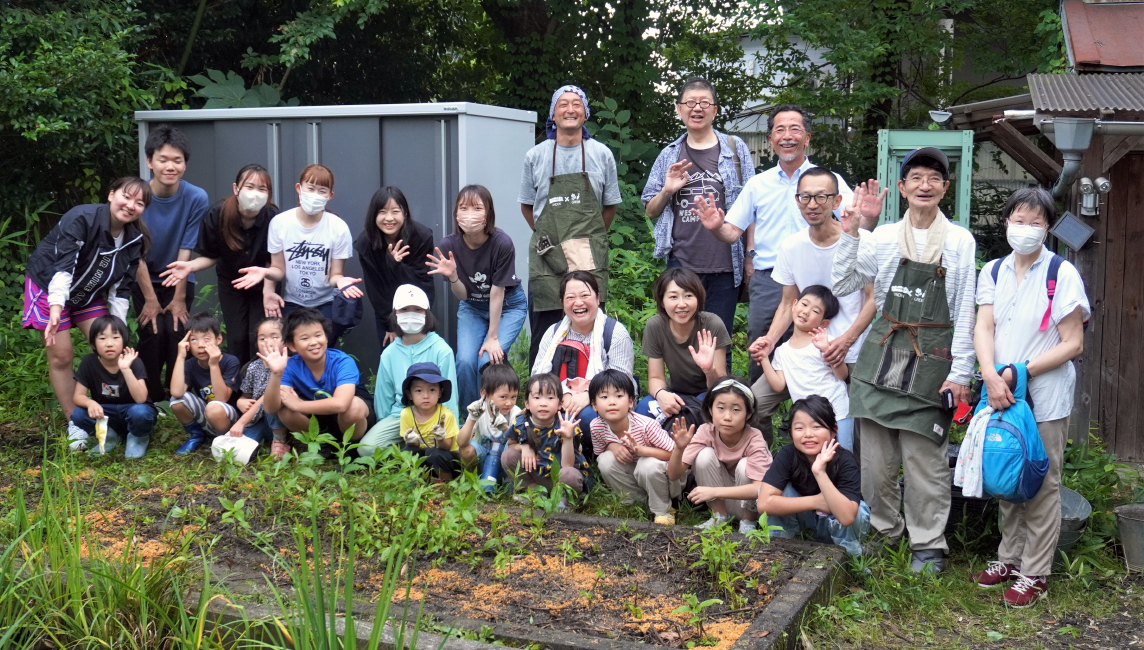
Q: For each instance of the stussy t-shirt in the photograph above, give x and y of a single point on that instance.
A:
(308, 253)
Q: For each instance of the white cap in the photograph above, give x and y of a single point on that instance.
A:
(410, 295)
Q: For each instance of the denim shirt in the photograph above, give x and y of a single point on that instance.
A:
(732, 184)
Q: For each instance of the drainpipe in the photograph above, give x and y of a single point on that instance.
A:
(1072, 139)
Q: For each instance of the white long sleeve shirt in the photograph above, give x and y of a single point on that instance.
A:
(876, 259)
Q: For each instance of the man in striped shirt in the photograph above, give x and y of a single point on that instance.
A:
(918, 357)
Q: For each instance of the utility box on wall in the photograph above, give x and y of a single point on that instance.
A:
(429, 151)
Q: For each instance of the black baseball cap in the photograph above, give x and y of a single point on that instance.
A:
(937, 155)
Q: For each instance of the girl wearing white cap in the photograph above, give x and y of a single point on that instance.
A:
(418, 343)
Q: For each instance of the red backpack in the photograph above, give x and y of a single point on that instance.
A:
(570, 360)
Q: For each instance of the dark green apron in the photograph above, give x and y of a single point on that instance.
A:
(569, 236)
(906, 356)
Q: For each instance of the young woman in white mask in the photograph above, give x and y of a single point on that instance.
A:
(1022, 318)
(479, 263)
(308, 248)
(417, 343)
(232, 238)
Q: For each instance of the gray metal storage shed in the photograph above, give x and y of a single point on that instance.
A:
(430, 151)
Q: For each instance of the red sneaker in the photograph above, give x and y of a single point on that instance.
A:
(995, 575)
(1026, 591)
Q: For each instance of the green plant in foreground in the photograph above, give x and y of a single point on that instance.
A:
(694, 609)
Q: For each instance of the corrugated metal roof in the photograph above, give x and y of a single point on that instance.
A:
(1068, 93)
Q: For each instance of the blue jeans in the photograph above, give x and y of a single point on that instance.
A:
(262, 431)
(722, 297)
(473, 327)
(845, 434)
(826, 528)
(134, 419)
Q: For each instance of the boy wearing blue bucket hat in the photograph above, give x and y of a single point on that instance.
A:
(428, 427)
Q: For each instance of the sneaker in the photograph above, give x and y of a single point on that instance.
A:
(190, 445)
(520, 498)
(747, 526)
(995, 575)
(562, 506)
(928, 561)
(136, 446)
(665, 520)
(278, 449)
(714, 521)
(77, 437)
(1026, 591)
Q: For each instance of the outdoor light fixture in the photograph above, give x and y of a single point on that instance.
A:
(1089, 203)
(941, 118)
(1070, 229)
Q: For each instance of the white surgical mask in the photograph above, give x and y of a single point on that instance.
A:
(411, 322)
(252, 200)
(471, 224)
(1025, 239)
(312, 202)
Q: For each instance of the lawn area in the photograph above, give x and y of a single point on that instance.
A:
(244, 531)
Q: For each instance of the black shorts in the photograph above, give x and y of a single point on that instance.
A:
(329, 423)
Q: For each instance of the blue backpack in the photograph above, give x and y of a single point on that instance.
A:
(1013, 459)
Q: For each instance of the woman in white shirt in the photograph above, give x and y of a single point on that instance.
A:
(1028, 315)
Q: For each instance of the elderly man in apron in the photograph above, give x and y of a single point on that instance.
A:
(568, 195)
(917, 360)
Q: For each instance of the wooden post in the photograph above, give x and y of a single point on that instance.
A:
(1090, 263)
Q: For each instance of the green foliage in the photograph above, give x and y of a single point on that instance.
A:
(229, 91)
(694, 610)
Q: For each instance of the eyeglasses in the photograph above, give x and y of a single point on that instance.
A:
(794, 131)
(918, 179)
(703, 103)
(820, 199)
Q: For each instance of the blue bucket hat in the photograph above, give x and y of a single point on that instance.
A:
(550, 125)
(426, 371)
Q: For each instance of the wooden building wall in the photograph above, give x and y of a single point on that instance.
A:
(1110, 374)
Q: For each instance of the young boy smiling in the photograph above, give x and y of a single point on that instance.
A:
(316, 381)
(201, 393)
(815, 484)
(631, 449)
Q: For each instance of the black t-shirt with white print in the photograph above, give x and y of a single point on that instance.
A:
(491, 265)
(105, 387)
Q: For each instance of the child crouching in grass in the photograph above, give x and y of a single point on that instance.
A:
(814, 483)
(201, 392)
(490, 418)
(114, 375)
(632, 450)
(256, 423)
(427, 425)
(543, 435)
(729, 457)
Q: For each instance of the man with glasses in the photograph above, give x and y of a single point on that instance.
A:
(768, 203)
(916, 363)
(806, 259)
(699, 163)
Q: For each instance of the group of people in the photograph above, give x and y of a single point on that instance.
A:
(871, 331)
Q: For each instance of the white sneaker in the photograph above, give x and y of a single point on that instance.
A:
(747, 526)
(562, 506)
(77, 437)
(714, 521)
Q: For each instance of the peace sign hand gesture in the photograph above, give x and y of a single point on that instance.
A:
(852, 214)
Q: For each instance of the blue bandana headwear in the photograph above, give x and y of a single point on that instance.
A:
(550, 125)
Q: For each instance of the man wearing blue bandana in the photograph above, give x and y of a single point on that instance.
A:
(568, 195)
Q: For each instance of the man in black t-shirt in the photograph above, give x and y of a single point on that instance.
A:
(814, 484)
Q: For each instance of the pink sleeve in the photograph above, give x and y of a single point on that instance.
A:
(701, 440)
(758, 456)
